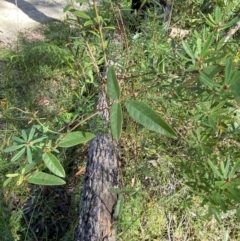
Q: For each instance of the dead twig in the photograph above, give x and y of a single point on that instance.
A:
(232, 31)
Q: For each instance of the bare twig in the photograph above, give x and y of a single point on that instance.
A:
(232, 31)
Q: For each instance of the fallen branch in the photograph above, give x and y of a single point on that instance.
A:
(102, 174)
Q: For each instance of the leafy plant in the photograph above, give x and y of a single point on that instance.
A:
(38, 152)
(212, 90)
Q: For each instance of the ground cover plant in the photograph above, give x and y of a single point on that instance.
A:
(173, 189)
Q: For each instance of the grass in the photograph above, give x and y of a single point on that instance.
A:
(61, 87)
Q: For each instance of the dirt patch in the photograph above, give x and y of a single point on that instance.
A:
(17, 16)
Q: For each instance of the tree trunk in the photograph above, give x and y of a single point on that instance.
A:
(102, 174)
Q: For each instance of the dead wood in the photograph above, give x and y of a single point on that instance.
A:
(102, 173)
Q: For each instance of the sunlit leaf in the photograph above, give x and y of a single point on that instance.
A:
(6, 182)
(41, 178)
(228, 70)
(18, 155)
(188, 50)
(116, 120)
(144, 115)
(113, 88)
(17, 139)
(208, 43)
(38, 140)
(13, 175)
(199, 46)
(20, 180)
(75, 138)
(53, 164)
(24, 135)
(218, 15)
(29, 154)
(68, 6)
(119, 206)
(31, 134)
(13, 148)
(78, 13)
(28, 168)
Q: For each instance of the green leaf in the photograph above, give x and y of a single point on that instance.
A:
(115, 190)
(208, 43)
(228, 161)
(227, 25)
(212, 70)
(206, 80)
(41, 178)
(199, 46)
(234, 194)
(113, 89)
(18, 155)
(38, 140)
(144, 115)
(29, 154)
(119, 206)
(218, 15)
(17, 139)
(31, 134)
(90, 23)
(234, 76)
(28, 168)
(211, 19)
(24, 135)
(116, 120)
(53, 164)
(184, 57)
(67, 7)
(215, 169)
(234, 169)
(7, 181)
(220, 43)
(13, 148)
(75, 138)
(13, 175)
(188, 50)
(235, 89)
(228, 70)
(80, 14)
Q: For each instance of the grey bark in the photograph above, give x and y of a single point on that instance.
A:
(102, 173)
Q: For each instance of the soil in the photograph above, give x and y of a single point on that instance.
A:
(19, 16)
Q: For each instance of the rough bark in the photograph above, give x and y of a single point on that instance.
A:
(102, 174)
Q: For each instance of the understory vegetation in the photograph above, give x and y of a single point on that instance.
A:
(179, 183)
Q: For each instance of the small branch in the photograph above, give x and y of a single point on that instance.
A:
(100, 31)
(232, 31)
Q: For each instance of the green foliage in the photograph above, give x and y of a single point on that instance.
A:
(192, 84)
(38, 151)
(41, 178)
(113, 88)
(139, 111)
(74, 138)
(116, 120)
(53, 164)
(213, 95)
(143, 114)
